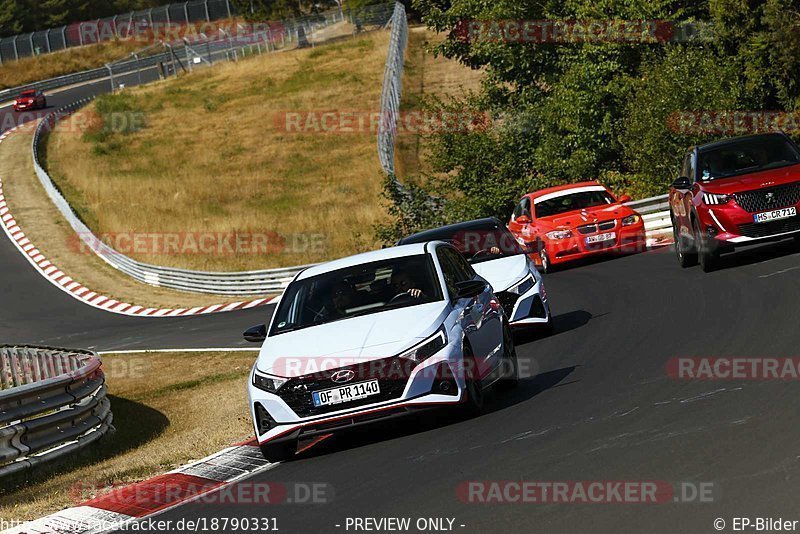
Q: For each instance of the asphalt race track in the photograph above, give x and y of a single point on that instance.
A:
(600, 408)
(600, 405)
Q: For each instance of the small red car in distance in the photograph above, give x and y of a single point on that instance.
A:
(735, 192)
(29, 100)
(573, 221)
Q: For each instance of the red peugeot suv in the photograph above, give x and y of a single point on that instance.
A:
(735, 192)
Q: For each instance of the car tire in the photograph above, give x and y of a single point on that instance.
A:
(687, 256)
(510, 362)
(473, 404)
(547, 267)
(278, 452)
(709, 258)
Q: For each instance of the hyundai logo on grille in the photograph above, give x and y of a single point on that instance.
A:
(343, 376)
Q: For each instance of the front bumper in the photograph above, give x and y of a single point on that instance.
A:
(729, 225)
(420, 392)
(530, 308)
(629, 239)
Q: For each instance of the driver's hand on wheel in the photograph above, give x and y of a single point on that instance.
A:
(494, 250)
(416, 293)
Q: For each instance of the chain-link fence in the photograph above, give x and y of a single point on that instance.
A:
(233, 42)
(116, 27)
(392, 88)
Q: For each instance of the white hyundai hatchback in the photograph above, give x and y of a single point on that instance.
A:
(376, 336)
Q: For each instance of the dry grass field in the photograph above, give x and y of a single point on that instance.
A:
(51, 234)
(169, 409)
(33, 69)
(215, 157)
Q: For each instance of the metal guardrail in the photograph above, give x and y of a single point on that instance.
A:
(52, 402)
(109, 28)
(270, 35)
(655, 213)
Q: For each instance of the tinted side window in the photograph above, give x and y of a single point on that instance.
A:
(454, 267)
(526, 206)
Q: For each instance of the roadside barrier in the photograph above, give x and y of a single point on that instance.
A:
(52, 402)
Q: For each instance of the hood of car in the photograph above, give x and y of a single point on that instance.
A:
(505, 272)
(573, 219)
(349, 341)
(755, 180)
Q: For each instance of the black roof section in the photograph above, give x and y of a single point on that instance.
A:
(445, 232)
(736, 140)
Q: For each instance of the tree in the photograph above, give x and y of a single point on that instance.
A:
(581, 109)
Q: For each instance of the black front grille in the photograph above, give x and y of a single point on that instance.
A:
(594, 228)
(769, 199)
(770, 228)
(508, 301)
(391, 373)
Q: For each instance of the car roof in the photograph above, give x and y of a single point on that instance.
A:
(734, 140)
(563, 187)
(28, 92)
(366, 257)
(445, 232)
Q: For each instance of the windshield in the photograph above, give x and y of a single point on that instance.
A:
(749, 155)
(356, 291)
(572, 202)
(27, 94)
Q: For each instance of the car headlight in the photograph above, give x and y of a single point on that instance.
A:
(559, 234)
(427, 348)
(630, 220)
(713, 199)
(524, 286)
(268, 383)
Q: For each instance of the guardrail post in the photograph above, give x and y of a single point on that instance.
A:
(33, 52)
(111, 76)
(47, 40)
(166, 11)
(228, 6)
(208, 17)
(150, 16)
(186, 11)
(80, 33)
(138, 70)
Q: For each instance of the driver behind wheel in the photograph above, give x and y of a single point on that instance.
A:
(403, 283)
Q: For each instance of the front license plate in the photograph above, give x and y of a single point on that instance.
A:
(599, 238)
(350, 392)
(774, 215)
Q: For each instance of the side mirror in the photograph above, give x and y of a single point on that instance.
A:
(469, 289)
(523, 219)
(682, 183)
(257, 334)
(624, 198)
